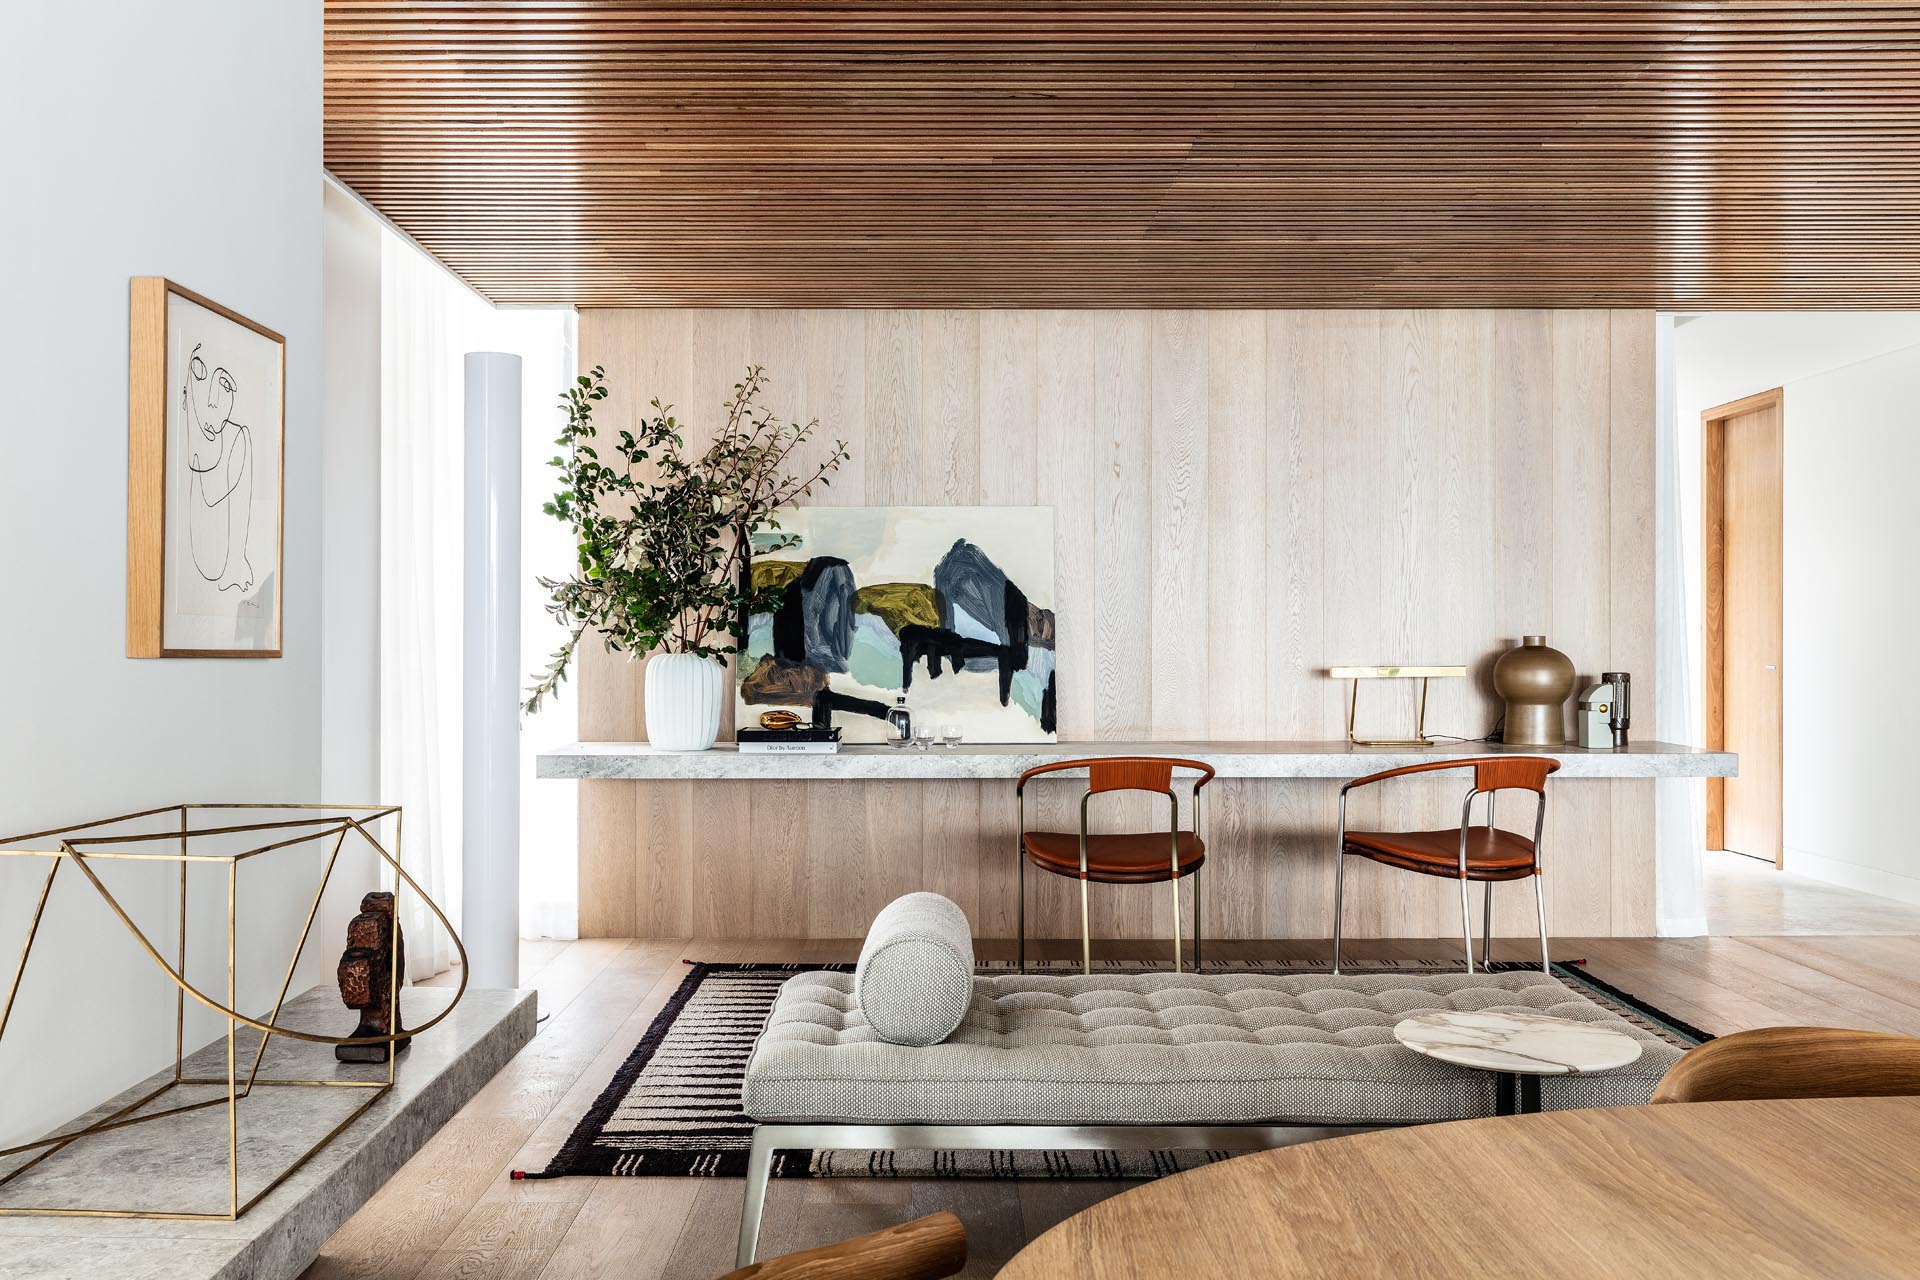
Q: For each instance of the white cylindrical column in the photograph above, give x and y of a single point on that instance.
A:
(490, 782)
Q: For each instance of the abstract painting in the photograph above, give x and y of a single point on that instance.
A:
(951, 606)
(204, 481)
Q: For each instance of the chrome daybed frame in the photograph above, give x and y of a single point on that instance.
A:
(769, 1138)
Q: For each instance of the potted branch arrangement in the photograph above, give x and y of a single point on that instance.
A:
(665, 536)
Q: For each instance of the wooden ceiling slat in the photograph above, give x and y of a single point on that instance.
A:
(1146, 153)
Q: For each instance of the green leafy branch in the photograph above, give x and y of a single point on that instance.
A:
(664, 536)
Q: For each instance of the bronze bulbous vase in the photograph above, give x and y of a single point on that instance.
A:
(1536, 682)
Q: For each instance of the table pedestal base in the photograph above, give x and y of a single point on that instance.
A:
(1515, 1094)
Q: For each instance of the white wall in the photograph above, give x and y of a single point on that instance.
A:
(350, 534)
(1718, 358)
(1851, 384)
(1851, 707)
(182, 140)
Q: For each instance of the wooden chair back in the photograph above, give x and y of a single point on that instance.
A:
(1490, 773)
(1126, 773)
(925, 1249)
(1795, 1062)
(1514, 773)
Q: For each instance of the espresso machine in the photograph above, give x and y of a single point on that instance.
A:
(1605, 712)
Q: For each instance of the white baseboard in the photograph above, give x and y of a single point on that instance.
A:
(1851, 875)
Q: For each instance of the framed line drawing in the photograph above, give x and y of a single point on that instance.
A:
(206, 435)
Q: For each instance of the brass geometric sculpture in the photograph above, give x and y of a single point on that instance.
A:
(186, 844)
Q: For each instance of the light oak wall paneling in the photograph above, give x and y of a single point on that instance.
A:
(1241, 499)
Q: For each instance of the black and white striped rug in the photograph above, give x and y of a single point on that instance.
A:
(673, 1108)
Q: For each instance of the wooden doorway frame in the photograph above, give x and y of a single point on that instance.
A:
(1713, 544)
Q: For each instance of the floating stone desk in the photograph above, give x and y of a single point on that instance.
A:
(725, 844)
(1332, 759)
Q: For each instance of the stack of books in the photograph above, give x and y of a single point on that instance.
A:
(805, 739)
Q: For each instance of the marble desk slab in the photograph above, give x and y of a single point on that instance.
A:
(1521, 1043)
(1333, 759)
(179, 1163)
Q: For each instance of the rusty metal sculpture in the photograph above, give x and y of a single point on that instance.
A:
(376, 947)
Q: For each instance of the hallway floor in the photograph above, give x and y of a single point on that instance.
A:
(1748, 897)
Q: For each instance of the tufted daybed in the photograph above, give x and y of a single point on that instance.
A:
(1161, 1060)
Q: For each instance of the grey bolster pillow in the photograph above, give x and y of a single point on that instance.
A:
(915, 977)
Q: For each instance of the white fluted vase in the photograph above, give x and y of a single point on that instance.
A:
(683, 701)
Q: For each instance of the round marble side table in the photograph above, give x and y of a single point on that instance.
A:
(1518, 1048)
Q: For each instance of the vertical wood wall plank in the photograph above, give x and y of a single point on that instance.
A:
(1119, 688)
(1009, 399)
(892, 386)
(1065, 464)
(1233, 625)
(1178, 515)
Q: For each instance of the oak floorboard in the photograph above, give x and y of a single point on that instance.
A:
(626, 1230)
(1709, 998)
(1794, 991)
(1880, 965)
(704, 1246)
(511, 1232)
(395, 1234)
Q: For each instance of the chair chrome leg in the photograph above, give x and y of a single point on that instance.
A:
(1339, 887)
(1540, 905)
(759, 1163)
(1486, 931)
(1020, 913)
(1173, 886)
(1196, 920)
(1466, 920)
(1086, 931)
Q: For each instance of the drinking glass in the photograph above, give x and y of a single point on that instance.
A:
(950, 734)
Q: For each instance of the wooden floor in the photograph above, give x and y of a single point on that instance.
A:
(453, 1212)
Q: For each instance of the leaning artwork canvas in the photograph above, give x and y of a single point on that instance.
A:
(951, 606)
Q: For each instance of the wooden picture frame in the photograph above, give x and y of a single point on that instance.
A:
(206, 478)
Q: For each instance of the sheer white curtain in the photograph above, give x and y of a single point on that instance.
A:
(423, 321)
(549, 809)
(428, 324)
(1680, 899)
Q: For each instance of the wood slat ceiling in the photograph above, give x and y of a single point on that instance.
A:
(991, 153)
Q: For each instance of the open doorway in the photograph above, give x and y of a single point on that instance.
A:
(1830, 403)
(1742, 460)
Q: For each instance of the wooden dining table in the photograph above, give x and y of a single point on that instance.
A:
(1751, 1190)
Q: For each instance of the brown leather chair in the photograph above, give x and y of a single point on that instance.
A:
(1795, 1062)
(1132, 858)
(1483, 853)
(925, 1249)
